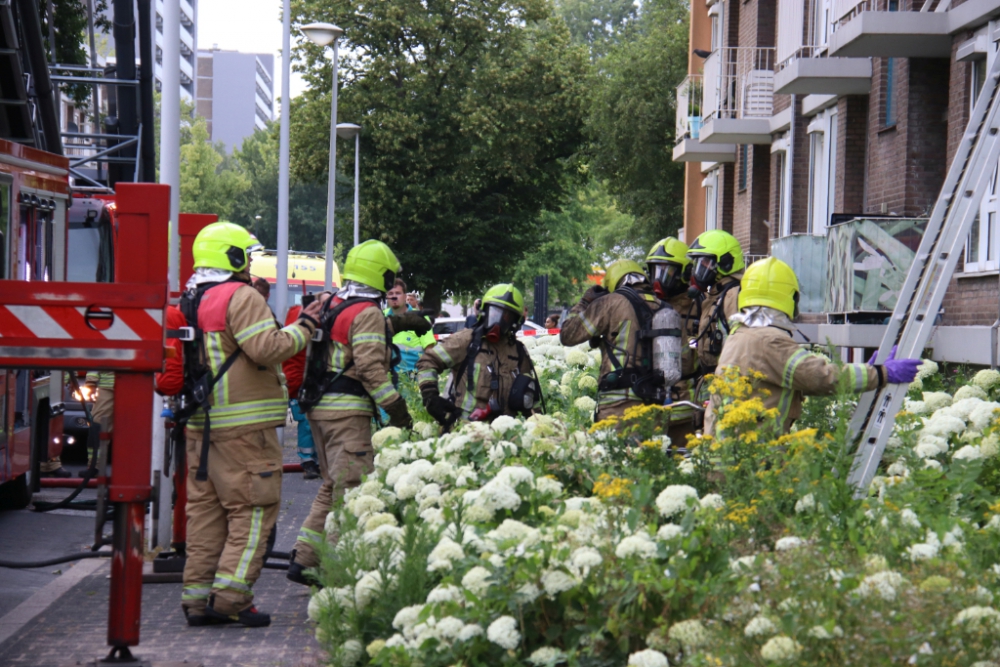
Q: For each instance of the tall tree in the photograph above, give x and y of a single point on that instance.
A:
(631, 122)
(598, 24)
(470, 111)
(257, 158)
(208, 183)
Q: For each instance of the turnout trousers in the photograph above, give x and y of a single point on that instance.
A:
(229, 518)
(344, 450)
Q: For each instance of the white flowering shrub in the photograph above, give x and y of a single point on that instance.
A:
(556, 541)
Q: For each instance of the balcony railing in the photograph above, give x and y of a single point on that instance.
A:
(845, 10)
(739, 83)
(689, 107)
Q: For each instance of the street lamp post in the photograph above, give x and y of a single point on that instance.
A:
(346, 131)
(324, 34)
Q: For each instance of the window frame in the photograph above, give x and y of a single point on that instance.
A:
(982, 243)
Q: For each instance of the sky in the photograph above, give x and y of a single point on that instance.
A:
(250, 26)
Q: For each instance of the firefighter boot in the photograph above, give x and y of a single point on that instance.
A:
(249, 617)
(297, 573)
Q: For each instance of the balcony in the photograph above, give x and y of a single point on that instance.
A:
(688, 147)
(809, 73)
(873, 28)
(738, 96)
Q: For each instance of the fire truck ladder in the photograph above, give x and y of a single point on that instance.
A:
(913, 319)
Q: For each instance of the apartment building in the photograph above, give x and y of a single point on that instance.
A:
(235, 93)
(821, 131)
(189, 46)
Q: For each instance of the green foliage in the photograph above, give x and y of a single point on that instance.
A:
(470, 111)
(66, 25)
(570, 241)
(631, 122)
(598, 24)
(208, 184)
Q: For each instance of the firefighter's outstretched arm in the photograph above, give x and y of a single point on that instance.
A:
(584, 320)
(258, 335)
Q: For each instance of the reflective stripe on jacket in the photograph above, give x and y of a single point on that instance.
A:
(251, 395)
(790, 371)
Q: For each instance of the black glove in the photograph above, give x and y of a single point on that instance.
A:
(441, 409)
(399, 414)
(409, 322)
(592, 295)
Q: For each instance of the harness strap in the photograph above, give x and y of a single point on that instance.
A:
(206, 436)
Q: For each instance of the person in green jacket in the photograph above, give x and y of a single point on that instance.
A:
(410, 345)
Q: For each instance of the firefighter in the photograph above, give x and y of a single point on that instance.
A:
(607, 316)
(716, 268)
(346, 378)
(491, 372)
(669, 269)
(233, 454)
(762, 342)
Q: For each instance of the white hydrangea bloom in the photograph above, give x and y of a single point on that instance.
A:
(712, 501)
(547, 656)
(585, 558)
(407, 617)
(449, 627)
(674, 499)
(884, 584)
(527, 593)
(513, 531)
(686, 467)
(669, 531)
(780, 649)
(441, 472)
(742, 564)
(909, 518)
(477, 580)
(986, 378)
(760, 626)
(587, 383)
(384, 534)
(331, 523)
(384, 435)
(788, 543)
(394, 641)
(445, 593)
(936, 399)
(504, 423)
(367, 588)
(498, 495)
(433, 515)
(503, 632)
(470, 631)
(323, 599)
(585, 404)
(364, 505)
(388, 459)
(990, 446)
(927, 369)
(976, 615)
(441, 557)
(548, 486)
(943, 425)
(922, 551)
(915, 407)
(350, 652)
(898, 469)
(970, 391)
(636, 545)
(556, 581)
(931, 463)
(691, 634)
(648, 658)
(805, 504)
(967, 453)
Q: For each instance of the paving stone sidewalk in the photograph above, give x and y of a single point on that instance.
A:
(73, 630)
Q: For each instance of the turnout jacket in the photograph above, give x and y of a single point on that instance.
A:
(613, 317)
(708, 324)
(359, 335)
(251, 395)
(501, 357)
(790, 371)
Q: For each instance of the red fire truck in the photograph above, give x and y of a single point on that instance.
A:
(34, 197)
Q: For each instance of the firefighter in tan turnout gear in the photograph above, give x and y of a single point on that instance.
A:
(491, 372)
(761, 341)
(716, 268)
(234, 397)
(346, 378)
(621, 318)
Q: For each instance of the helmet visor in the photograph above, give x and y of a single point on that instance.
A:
(666, 274)
(705, 271)
(500, 321)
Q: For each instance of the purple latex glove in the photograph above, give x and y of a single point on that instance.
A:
(871, 362)
(900, 371)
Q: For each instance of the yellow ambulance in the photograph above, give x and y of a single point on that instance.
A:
(305, 273)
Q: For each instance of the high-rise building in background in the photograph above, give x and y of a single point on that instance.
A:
(189, 46)
(235, 93)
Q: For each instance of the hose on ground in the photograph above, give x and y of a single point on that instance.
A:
(54, 561)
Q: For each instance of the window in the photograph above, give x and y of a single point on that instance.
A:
(716, 13)
(821, 24)
(981, 246)
(890, 113)
(711, 183)
(978, 79)
(744, 156)
(822, 170)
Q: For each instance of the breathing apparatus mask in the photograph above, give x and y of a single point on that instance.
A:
(500, 322)
(704, 272)
(669, 279)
